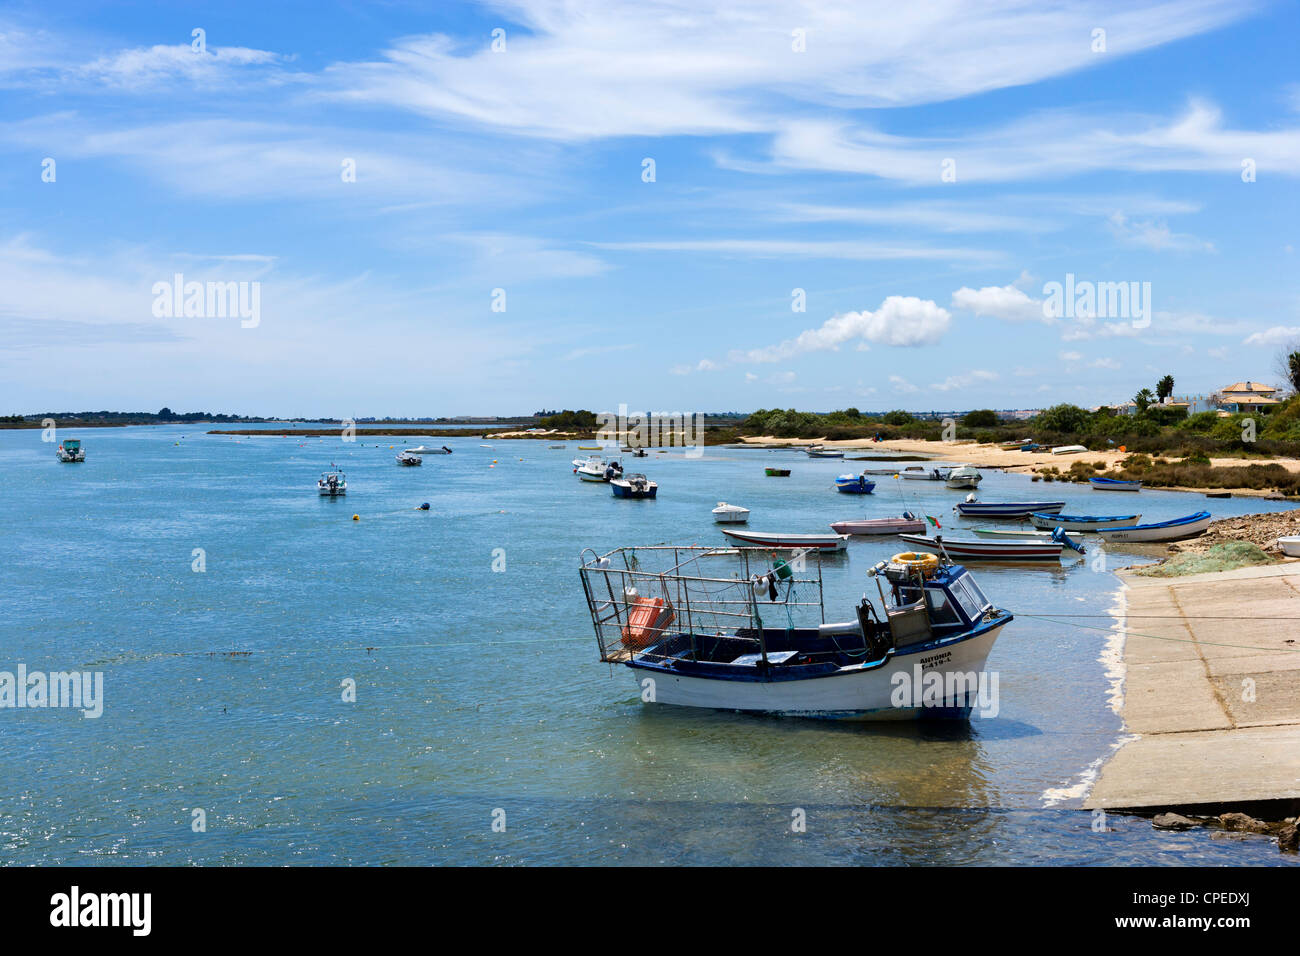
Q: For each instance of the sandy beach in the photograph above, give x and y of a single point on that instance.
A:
(992, 456)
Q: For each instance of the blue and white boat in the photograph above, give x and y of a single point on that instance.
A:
(854, 484)
(820, 451)
(634, 486)
(1007, 509)
(1114, 484)
(1081, 522)
(1176, 529)
(732, 629)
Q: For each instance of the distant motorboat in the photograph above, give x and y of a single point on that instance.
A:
(907, 524)
(1114, 484)
(70, 450)
(1176, 529)
(854, 485)
(633, 486)
(934, 474)
(444, 450)
(821, 542)
(596, 468)
(409, 459)
(730, 514)
(964, 476)
(819, 451)
(332, 484)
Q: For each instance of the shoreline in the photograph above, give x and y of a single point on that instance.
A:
(1018, 462)
(1210, 714)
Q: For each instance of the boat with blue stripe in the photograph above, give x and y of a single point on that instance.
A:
(1047, 522)
(1114, 484)
(732, 629)
(1007, 509)
(1175, 529)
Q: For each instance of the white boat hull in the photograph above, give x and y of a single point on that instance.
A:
(847, 695)
(822, 542)
(1176, 533)
(1290, 546)
(731, 517)
(963, 482)
(1047, 525)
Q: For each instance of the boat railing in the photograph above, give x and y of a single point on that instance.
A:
(657, 601)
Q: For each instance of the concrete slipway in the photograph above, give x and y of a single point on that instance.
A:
(1212, 691)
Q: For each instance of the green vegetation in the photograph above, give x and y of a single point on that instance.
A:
(981, 418)
(571, 421)
(1220, 557)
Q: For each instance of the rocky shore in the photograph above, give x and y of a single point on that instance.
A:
(1262, 530)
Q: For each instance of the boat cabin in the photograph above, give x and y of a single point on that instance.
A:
(923, 608)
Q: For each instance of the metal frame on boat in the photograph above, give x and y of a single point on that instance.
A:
(738, 630)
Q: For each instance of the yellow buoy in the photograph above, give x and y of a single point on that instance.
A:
(356, 517)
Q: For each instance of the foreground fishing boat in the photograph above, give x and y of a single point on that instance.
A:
(756, 640)
(730, 514)
(1007, 509)
(1176, 529)
(332, 484)
(1114, 484)
(986, 550)
(907, 524)
(634, 486)
(1081, 522)
(70, 450)
(854, 485)
(790, 542)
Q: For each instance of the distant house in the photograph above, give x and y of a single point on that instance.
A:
(1247, 397)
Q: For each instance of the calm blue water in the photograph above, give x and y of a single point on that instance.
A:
(479, 690)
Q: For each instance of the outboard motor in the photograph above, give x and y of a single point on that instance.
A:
(1060, 536)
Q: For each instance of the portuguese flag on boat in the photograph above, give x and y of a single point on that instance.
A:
(934, 521)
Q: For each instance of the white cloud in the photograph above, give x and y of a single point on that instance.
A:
(1071, 356)
(1000, 302)
(151, 66)
(901, 384)
(899, 321)
(583, 69)
(964, 380)
(804, 249)
(1109, 363)
(1277, 335)
(1155, 235)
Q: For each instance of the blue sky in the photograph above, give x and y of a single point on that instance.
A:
(522, 169)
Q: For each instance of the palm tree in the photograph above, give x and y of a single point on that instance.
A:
(1143, 400)
(1165, 387)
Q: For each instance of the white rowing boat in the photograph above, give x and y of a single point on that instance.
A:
(1176, 529)
(822, 542)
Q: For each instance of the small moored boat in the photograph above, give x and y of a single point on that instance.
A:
(332, 484)
(1114, 484)
(634, 486)
(964, 476)
(920, 474)
(819, 542)
(1068, 449)
(444, 450)
(854, 484)
(1081, 522)
(777, 472)
(1007, 509)
(70, 450)
(1176, 529)
(986, 550)
(407, 458)
(596, 468)
(730, 514)
(1290, 545)
(755, 639)
(820, 451)
(907, 524)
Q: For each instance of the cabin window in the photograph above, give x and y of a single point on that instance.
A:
(965, 600)
(941, 610)
(971, 589)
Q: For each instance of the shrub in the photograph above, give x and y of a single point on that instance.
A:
(980, 418)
